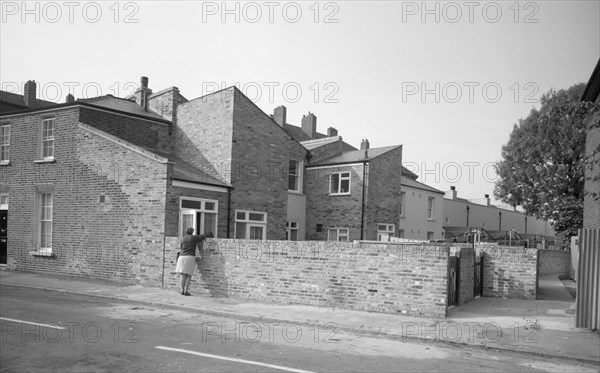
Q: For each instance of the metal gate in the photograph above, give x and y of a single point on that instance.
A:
(478, 278)
(453, 280)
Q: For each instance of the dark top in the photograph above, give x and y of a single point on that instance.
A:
(189, 243)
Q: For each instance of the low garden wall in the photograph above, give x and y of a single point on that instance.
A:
(509, 272)
(554, 262)
(408, 279)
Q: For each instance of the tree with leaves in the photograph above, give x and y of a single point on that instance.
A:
(543, 164)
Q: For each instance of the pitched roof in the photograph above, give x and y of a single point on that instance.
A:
(354, 156)
(186, 172)
(121, 104)
(299, 135)
(415, 184)
(15, 101)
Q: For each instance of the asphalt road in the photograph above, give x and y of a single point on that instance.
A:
(46, 331)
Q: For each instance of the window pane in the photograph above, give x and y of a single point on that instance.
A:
(191, 204)
(293, 235)
(240, 215)
(345, 186)
(293, 182)
(256, 233)
(211, 206)
(240, 230)
(343, 238)
(256, 217)
(210, 223)
(335, 183)
(332, 235)
(188, 221)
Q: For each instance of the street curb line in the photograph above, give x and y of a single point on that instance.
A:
(354, 331)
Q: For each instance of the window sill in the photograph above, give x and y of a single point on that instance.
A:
(431, 220)
(338, 194)
(295, 192)
(49, 160)
(44, 253)
(5, 163)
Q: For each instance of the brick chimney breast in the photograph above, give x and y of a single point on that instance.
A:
(331, 132)
(364, 145)
(309, 125)
(29, 94)
(145, 92)
(70, 98)
(279, 115)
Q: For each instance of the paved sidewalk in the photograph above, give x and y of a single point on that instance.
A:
(543, 327)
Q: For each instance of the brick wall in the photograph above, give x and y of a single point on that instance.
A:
(554, 261)
(260, 156)
(333, 211)
(384, 187)
(509, 272)
(399, 279)
(108, 203)
(203, 133)
(172, 208)
(165, 103)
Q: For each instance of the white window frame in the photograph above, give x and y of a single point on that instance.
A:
(291, 226)
(4, 206)
(385, 230)
(298, 176)
(402, 204)
(339, 234)
(341, 177)
(42, 248)
(4, 143)
(49, 139)
(193, 212)
(432, 235)
(430, 207)
(250, 223)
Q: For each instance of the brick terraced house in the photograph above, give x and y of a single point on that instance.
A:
(100, 187)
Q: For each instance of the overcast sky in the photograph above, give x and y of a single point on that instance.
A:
(448, 80)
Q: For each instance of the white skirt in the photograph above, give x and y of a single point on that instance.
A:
(186, 264)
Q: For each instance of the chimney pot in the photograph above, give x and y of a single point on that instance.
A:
(29, 94)
(280, 115)
(364, 145)
(70, 98)
(452, 188)
(453, 192)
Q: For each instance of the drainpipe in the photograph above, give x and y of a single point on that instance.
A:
(468, 208)
(362, 210)
(499, 220)
(228, 212)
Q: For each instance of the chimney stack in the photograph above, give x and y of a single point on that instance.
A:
(70, 98)
(29, 94)
(453, 192)
(487, 197)
(309, 125)
(144, 92)
(331, 132)
(364, 145)
(279, 115)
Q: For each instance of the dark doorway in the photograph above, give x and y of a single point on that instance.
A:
(3, 236)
